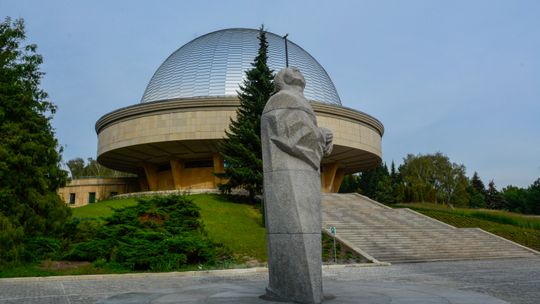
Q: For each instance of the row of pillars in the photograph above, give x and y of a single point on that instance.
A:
(331, 175)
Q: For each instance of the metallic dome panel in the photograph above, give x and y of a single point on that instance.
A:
(214, 65)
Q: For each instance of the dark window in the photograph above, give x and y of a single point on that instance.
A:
(72, 198)
(113, 194)
(200, 164)
(91, 197)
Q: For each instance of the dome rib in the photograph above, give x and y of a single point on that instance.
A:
(214, 65)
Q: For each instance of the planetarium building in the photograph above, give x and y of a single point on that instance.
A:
(170, 139)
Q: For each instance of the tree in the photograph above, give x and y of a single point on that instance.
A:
(533, 197)
(478, 184)
(494, 199)
(76, 167)
(350, 184)
(453, 184)
(378, 184)
(30, 171)
(397, 184)
(433, 178)
(477, 192)
(369, 180)
(241, 149)
(516, 199)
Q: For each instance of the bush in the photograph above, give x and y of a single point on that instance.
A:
(160, 234)
(11, 241)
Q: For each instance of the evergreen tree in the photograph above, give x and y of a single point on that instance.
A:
(350, 184)
(397, 184)
(533, 197)
(494, 199)
(369, 180)
(477, 184)
(377, 184)
(241, 150)
(30, 172)
(477, 192)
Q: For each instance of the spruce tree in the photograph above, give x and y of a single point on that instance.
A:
(30, 173)
(477, 192)
(241, 149)
(494, 199)
(477, 184)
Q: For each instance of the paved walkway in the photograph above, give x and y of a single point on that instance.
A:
(486, 281)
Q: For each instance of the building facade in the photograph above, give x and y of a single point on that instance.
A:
(170, 139)
(84, 191)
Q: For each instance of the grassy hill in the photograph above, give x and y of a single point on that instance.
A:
(519, 228)
(102, 209)
(237, 226)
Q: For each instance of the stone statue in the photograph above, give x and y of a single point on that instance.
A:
(292, 149)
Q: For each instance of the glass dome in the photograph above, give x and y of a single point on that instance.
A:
(214, 65)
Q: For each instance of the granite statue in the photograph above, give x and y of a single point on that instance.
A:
(292, 148)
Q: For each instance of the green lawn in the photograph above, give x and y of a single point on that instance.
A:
(102, 209)
(237, 226)
(519, 228)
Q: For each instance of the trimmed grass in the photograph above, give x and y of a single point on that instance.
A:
(102, 209)
(237, 226)
(521, 229)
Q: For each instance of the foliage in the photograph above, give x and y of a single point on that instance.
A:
(533, 197)
(241, 150)
(30, 209)
(477, 192)
(344, 255)
(432, 177)
(103, 209)
(494, 199)
(376, 183)
(78, 168)
(350, 184)
(238, 226)
(524, 200)
(160, 233)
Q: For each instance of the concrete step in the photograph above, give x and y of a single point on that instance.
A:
(402, 235)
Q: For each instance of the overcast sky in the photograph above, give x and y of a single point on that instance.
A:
(459, 77)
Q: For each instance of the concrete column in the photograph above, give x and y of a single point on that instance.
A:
(151, 176)
(338, 179)
(177, 168)
(143, 183)
(218, 168)
(327, 176)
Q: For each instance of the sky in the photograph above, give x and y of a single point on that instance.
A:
(457, 77)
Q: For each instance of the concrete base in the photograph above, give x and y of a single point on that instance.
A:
(344, 291)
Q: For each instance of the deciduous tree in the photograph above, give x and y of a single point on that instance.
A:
(433, 178)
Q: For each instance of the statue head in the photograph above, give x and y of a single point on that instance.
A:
(289, 78)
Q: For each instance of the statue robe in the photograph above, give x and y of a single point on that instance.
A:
(292, 148)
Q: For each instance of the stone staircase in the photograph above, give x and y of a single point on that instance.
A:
(383, 234)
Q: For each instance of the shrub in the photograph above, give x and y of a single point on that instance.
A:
(160, 233)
